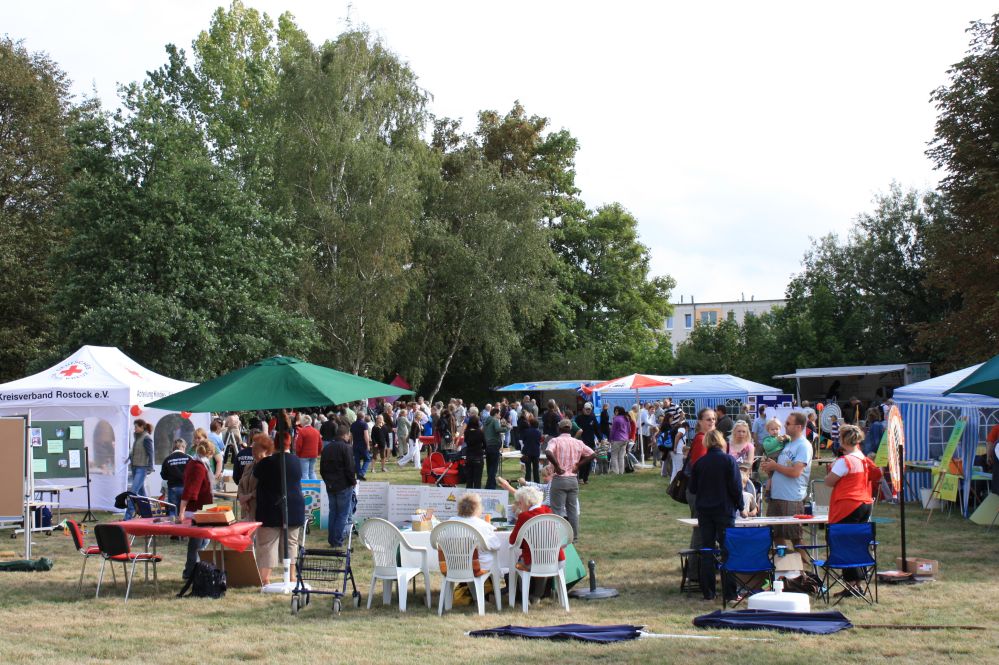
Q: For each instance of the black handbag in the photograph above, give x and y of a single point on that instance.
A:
(677, 489)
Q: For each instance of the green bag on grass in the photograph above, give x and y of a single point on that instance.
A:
(26, 566)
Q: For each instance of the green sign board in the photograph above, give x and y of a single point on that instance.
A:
(57, 449)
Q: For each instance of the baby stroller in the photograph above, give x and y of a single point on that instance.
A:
(603, 458)
(325, 572)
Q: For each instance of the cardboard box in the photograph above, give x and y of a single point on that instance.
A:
(788, 562)
(223, 517)
(918, 566)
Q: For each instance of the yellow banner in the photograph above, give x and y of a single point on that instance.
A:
(881, 457)
(948, 487)
(955, 438)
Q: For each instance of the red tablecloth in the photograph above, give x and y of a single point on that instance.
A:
(236, 536)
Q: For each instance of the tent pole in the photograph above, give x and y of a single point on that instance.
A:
(89, 517)
(901, 502)
(29, 476)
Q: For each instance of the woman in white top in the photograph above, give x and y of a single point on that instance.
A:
(470, 512)
(678, 452)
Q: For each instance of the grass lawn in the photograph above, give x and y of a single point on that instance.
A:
(628, 527)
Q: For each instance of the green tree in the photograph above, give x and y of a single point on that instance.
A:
(479, 267)
(710, 349)
(35, 110)
(166, 254)
(617, 310)
(608, 312)
(962, 252)
(351, 169)
(862, 300)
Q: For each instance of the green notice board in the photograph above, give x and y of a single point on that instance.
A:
(57, 448)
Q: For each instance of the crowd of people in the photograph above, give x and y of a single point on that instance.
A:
(721, 487)
(734, 461)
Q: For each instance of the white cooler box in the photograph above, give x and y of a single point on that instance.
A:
(779, 601)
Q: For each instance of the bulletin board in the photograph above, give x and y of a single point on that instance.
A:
(57, 449)
(12, 470)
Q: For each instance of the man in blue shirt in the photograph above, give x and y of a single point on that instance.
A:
(789, 476)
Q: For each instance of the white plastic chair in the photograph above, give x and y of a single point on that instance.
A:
(384, 540)
(545, 536)
(458, 541)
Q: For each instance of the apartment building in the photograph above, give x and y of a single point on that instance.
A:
(688, 312)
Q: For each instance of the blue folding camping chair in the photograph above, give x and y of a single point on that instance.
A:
(850, 547)
(748, 553)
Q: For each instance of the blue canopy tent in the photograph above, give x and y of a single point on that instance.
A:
(929, 417)
(541, 386)
(563, 391)
(693, 393)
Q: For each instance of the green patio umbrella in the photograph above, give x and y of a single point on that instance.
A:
(276, 383)
(983, 381)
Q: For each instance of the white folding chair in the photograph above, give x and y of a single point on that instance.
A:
(458, 542)
(384, 540)
(545, 536)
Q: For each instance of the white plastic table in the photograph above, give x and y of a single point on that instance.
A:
(811, 522)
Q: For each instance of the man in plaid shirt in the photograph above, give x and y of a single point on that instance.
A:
(567, 454)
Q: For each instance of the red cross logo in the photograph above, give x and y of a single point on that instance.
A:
(71, 370)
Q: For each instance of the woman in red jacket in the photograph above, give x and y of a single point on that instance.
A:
(852, 476)
(197, 493)
(528, 503)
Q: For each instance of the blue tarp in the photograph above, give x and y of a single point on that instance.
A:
(567, 631)
(815, 623)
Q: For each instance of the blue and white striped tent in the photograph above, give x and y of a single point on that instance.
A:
(929, 417)
(694, 393)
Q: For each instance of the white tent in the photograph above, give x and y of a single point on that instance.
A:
(100, 388)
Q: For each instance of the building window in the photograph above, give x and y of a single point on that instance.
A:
(688, 320)
(733, 407)
(669, 323)
(941, 425)
(689, 410)
(731, 315)
(709, 318)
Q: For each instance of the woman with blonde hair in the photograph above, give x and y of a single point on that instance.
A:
(741, 444)
(197, 492)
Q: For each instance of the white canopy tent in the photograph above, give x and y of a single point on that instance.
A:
(101, 388)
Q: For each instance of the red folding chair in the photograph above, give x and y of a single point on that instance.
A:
(113, 545)
(85, 551)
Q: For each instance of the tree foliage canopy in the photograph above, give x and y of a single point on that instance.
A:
(963, 255)
(35, 110)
